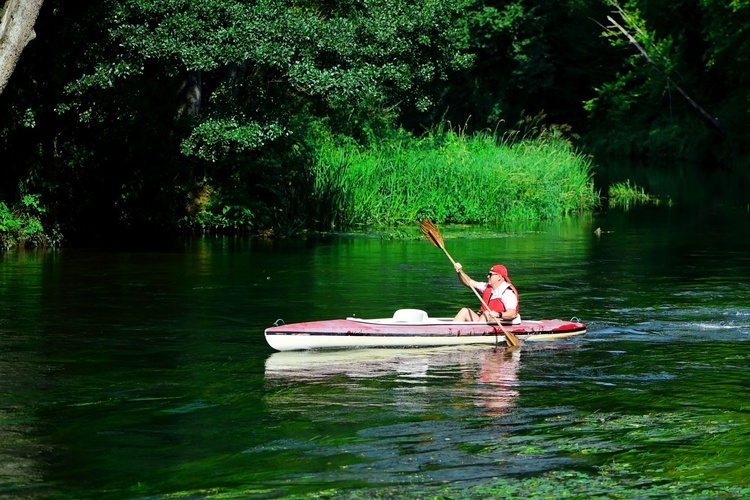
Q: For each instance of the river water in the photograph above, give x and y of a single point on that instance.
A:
(145, 374)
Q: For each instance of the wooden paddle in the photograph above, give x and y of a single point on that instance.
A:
(431, 232)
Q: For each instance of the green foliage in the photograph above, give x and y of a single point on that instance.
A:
(678, 93)
(219, 218)
(450, 177)
(161, 97)
(262, 62)
(21, 224)
(531, 57)
(214, 139)
(122, 110)
(622, 194)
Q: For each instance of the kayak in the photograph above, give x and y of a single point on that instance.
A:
(411, 328)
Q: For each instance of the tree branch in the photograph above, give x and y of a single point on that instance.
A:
(712, 120)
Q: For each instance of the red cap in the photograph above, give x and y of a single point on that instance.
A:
(499, 269)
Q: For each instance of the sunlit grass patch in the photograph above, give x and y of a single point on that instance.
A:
(625, 195)
(451, 178)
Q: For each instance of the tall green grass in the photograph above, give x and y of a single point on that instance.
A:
(625, 195)
(451, 178)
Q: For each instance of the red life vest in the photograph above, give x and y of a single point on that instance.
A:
(497, 304)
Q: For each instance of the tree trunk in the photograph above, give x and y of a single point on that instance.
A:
(16, 31)
(191, 96)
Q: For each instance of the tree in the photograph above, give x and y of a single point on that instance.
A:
(16, 31)
(532, 58)
(247, 67)
(223, 101)
(678, 91)
(713, 121)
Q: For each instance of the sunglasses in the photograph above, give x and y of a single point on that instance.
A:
(490, 275)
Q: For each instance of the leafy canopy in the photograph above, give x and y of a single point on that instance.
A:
(263, 61)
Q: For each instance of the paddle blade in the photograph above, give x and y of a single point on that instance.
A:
(431, 232)
(511, 339)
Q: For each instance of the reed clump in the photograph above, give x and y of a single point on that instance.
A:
(625, 195)
(451, 177)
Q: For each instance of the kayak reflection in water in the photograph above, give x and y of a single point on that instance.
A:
(497, 292)
(499, 377)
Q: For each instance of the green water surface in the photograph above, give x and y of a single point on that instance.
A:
(146, 375)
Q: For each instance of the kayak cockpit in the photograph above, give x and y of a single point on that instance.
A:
(420, 317)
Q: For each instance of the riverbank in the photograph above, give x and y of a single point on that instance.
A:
(447, 176)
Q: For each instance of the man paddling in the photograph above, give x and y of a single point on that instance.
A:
(498, 293)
